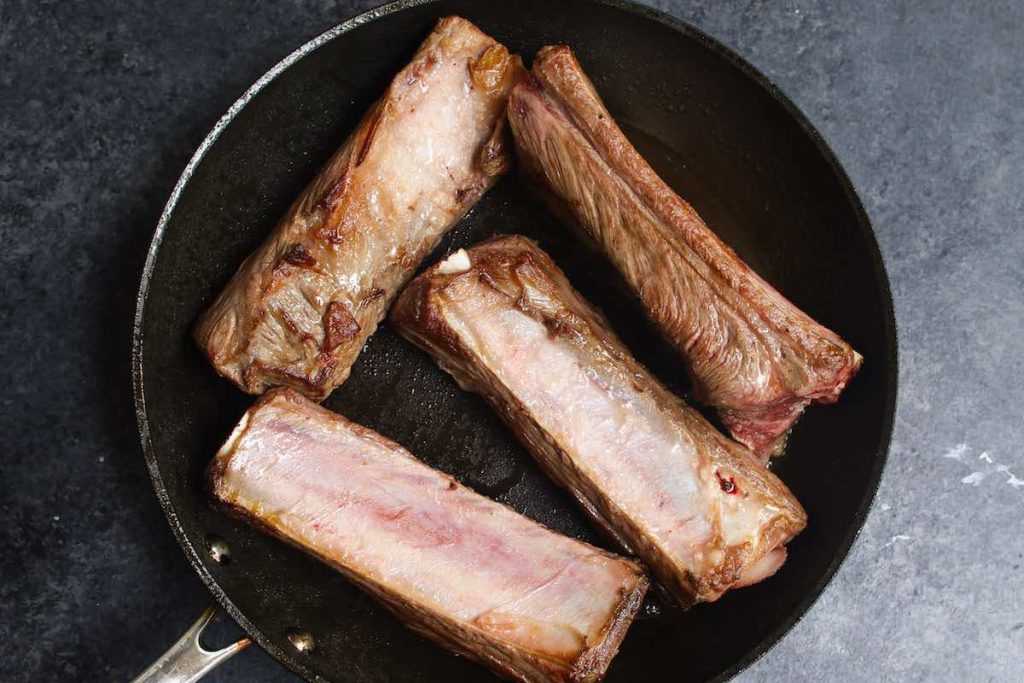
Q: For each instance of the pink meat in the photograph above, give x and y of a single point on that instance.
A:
(462, 569)
(697, 508)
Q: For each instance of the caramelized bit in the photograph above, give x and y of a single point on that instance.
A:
(297, 255)
(339, 326)
(495, 157)
(558, 325)
(334, 193)
(491, 70)
(372, 296)
(371, 132)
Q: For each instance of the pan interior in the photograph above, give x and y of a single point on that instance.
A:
(714, 131)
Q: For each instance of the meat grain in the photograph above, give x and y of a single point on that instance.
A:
(696, 507)
(462, 570)
(299, 310)
(751, 353)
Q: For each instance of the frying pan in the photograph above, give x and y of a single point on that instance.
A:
(717, 130)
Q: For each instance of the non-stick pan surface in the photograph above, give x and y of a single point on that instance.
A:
(718, 131)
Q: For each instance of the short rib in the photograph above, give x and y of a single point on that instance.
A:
(462, 570)
(751, 353)
(697, 508)
(299, 310)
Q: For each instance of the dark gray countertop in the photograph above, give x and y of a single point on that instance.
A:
(102, 104)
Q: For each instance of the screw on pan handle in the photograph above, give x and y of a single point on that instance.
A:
(187, 660)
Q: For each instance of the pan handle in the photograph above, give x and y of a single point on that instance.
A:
(187, 660)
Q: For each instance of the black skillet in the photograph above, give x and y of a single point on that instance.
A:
(719, 131)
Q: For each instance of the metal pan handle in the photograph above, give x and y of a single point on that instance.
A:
(187, 660)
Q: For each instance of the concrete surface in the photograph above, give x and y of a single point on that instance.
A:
(101, 105)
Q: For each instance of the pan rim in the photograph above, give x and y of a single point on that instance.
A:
(689, 31)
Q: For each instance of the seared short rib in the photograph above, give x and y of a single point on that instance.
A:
(696, 507)
(459, 568)
(751, 353)
(300, 309)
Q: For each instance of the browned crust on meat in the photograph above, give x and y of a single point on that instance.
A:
(510, 265)
(465, 638)
(822, 363)
(339, 326)
(592, 664)
(371, 132)
(301, 307)
(296, 255)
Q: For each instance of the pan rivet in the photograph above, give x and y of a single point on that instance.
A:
(219, 549)
(301, 640)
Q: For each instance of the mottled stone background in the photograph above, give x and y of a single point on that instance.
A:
(101, 105)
